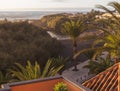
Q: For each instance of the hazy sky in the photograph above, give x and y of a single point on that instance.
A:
(35, 4)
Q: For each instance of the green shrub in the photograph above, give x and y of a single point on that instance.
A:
(23, 41)
(60, 87)
(60, 61)
(101, 64)
(33, 71)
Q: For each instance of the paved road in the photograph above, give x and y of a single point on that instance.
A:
(81, 75)
(78, 76)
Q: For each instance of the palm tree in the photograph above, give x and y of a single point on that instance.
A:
(34, 71)
(113, 43)
(73, 29)
(4, 78)
(116, 7)
(90, 54)
(58, 62)
(111, 38)
(99, 65)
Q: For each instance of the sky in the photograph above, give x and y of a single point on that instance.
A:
(40, 4)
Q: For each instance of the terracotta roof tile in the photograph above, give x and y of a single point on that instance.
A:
(109, 80)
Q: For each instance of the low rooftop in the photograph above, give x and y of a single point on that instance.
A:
(46, 84)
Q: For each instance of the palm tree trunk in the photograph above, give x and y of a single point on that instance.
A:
(74, 52)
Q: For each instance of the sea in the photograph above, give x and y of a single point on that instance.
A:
(37, 14)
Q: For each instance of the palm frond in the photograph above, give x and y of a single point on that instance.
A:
(46, 69)
(91, 49)
(110, 12)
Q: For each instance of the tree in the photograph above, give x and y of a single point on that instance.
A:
(73, 29)
(58, 62)
(34, 71)
(116, 7)
(4, 78)
(110, 40)
(99, 65)
(21, 41)
(111, 43)
(90, 54)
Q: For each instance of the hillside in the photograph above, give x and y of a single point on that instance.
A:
(55, 22)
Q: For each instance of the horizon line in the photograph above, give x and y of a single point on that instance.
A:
(37, 9)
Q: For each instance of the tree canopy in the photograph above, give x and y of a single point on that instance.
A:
(22, 41)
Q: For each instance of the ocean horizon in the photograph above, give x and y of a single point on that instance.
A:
(37, 14)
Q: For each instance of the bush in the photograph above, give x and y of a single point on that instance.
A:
(60, 87)
(33, 71)
(23, 41)
(100, 65)
(60, 61)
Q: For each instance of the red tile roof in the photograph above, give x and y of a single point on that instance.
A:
(45, 84)
(109, 80)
